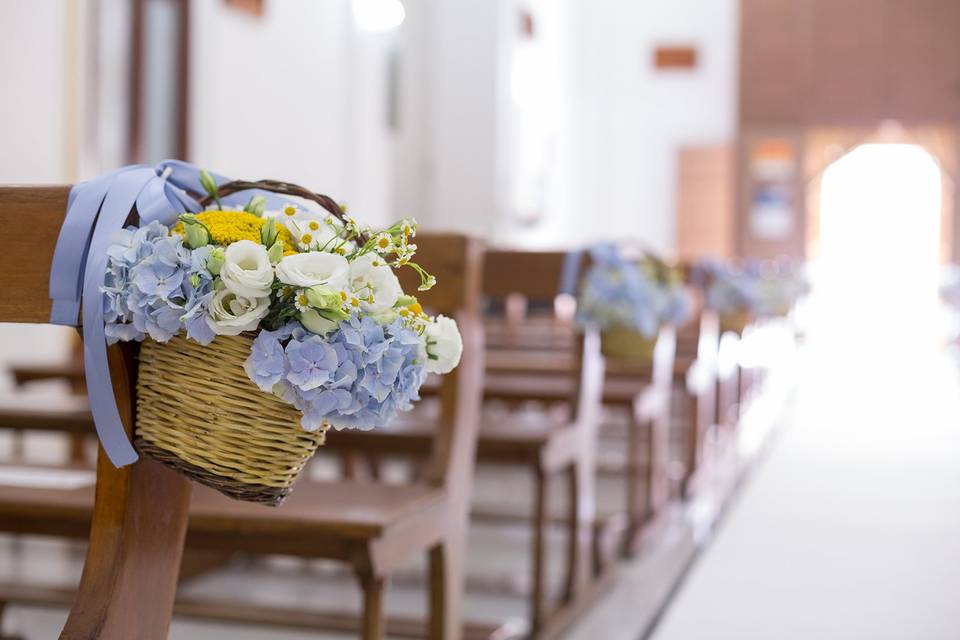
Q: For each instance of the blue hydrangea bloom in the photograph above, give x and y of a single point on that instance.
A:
(360, 376)
(727, 289)
(312, 362)
(617, 292)
(156, 286)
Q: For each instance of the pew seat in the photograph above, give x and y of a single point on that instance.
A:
(63, 413)
(351, 510)
(549, 442)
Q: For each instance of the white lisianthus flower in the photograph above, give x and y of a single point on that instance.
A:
(315, 323)
(444, 345)
(310, 269)
(246, 269)
(373, 281)
(231, 315)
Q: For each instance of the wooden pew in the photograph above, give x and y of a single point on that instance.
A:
(71, 372)
(140, 513)
(547, 449)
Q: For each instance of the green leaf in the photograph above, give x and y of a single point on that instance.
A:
(210, 186)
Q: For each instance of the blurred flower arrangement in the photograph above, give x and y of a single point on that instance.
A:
(336, 335)
(751, 290)
(639, 295)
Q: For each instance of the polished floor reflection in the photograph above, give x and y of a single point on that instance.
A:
(849, 529)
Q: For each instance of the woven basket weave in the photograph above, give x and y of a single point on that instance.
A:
(627, 344)
(199, 413)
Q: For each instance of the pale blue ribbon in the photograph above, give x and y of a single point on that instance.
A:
(95, 210)
(570, 275)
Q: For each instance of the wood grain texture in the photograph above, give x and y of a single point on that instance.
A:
(32, 217)
(136, 539)
(533, 274)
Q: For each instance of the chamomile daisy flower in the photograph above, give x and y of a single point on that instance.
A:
(383, 243)
(290, 210)
(301, 302)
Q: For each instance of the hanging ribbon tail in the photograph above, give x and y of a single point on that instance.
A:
(95, 211)
(116, 207)
(570, 275)
(69, 257)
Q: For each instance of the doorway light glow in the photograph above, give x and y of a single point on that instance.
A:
(378, 15)
(879, 240)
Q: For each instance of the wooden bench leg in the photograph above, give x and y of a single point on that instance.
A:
(576, 553)
(136, 542)
(538, 551)
(446, 591)
(373, 623)
(693, 447)
(139, 523)
(637, 489)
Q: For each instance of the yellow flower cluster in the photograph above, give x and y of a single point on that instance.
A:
(229, 226)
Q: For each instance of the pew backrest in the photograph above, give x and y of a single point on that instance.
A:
(456, 261)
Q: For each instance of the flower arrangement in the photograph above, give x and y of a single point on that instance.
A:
(640, 296)
(336, 336)
(727, 290)
(753, 289)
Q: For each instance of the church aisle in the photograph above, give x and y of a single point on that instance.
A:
(849, 528)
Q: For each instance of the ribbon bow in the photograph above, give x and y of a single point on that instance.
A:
(95, 210)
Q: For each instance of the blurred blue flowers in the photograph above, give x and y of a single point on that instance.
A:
(617, 292)
(359, 376)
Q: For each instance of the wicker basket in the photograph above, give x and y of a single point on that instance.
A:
(626, 344)
(735, 322)
(199, 413)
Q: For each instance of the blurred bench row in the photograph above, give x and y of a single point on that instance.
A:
(521, 350)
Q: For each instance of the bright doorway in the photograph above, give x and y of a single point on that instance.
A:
(879, 243)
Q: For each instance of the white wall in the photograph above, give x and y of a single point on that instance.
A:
(294, 95)
(615, 123)
(632, 119)
(33, 110)
(447, 146)
(38, 129)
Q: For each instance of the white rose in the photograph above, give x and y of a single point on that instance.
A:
(316, 267)
(230, 314)
(246, 269)
(315, 323)
(371, 276)
(444, 345)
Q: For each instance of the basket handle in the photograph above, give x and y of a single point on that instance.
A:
(284, 188)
